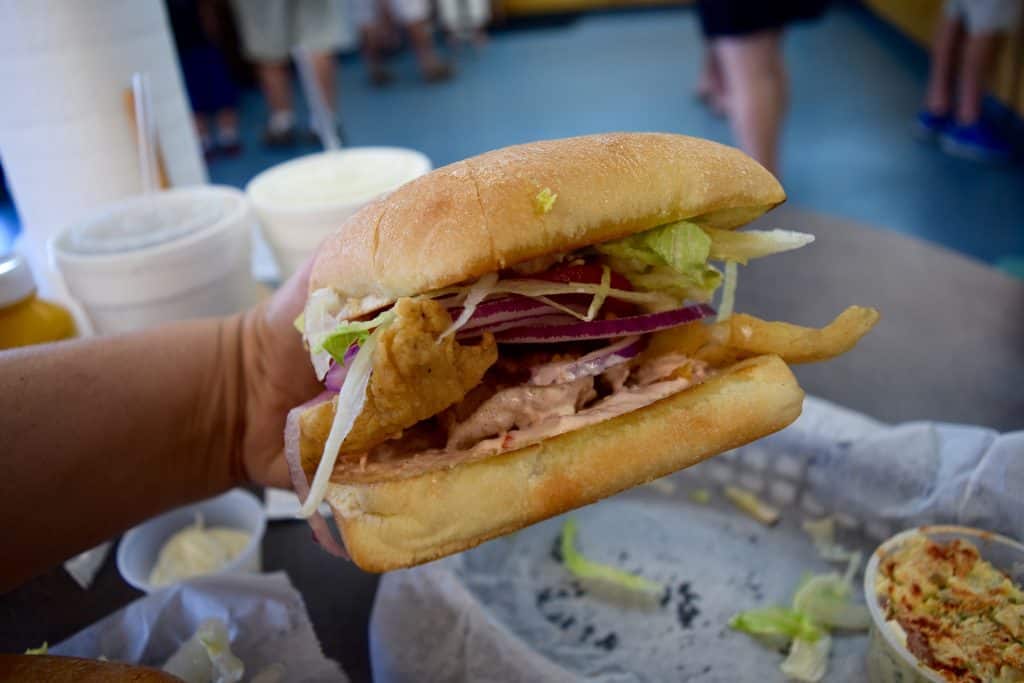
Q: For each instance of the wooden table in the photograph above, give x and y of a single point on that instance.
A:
(950, 347)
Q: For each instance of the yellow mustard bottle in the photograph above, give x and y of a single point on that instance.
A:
(24, 318)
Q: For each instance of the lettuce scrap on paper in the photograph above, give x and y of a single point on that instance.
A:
(822, 602)
(583, 568)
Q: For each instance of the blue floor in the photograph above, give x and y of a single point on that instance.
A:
(846, 149)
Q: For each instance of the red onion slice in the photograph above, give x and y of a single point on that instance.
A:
(605, 329)
(505, 309)
(592, 364)
(335, 377)
(551, 318)
(321, 530)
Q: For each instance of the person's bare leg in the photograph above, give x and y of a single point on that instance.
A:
(202, 125)
(324, 67)
(709, 85)
(755, 79)
(939, 95)
(276, 84)
(227, 119)
(974, 69)
(431, 65)
(203, 130)
(372, 47)
(228, 138)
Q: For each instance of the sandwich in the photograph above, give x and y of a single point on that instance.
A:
(528, 331)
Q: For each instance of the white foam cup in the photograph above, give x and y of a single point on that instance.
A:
(182, 253)
(300, 202)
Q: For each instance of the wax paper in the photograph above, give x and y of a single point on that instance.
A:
(265, 616)
(509, 610)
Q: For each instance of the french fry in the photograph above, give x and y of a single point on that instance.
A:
(752, 336)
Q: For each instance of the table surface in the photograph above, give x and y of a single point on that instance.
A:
(949, 347)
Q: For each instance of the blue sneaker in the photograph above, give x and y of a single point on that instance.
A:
(975, 142)
(929, 126)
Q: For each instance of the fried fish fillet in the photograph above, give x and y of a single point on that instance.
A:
(415, 377)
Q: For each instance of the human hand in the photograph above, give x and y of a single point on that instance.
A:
(276, 377)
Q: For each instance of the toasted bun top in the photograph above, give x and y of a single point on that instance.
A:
(482, 214)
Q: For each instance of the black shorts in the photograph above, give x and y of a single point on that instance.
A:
(743, 17)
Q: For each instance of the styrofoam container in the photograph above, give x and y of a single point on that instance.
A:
(182, 253)
(300, 202)
(238, 509)
(889, 661)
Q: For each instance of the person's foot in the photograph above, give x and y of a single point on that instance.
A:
(209, 147)
(286, 137)
(280, 130)
(437, 72)
(381, 76)
(313, 138)
(976, 142)
(228, 143)
(929, 126)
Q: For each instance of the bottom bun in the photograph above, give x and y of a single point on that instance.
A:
(54, 669)
(404, 522)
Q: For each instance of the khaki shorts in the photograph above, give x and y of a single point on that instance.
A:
(404, 12)
(986, 16)
(271, 28)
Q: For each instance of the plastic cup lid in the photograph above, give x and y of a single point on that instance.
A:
(16, 282)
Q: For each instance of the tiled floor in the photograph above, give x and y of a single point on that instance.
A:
(847, 149)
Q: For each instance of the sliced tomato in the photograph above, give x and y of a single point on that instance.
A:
(591, 274)
(587, 273)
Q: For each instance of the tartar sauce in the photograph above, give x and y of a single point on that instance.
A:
(197, 550)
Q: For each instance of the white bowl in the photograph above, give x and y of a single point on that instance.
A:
(202, 269)
(888, 660)
(300, 202)
(238, 509)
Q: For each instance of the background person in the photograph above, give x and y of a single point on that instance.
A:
(376, 19)
(211, 90)
(270, 29)
(745, 54)
(965, 46)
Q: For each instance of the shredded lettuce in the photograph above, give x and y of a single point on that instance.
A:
(350, 403)
(213, 636)
(538, 289)
(671, 258)
(300, 323)
(728, 291)
(318, 320)
(825, 598)
(823, 535)
(478, 291)
(601, 294)
(683, 246)
(544, 201)
(206, 656)
(807, 660)
(741, 246)
(338, 341)
(776, 621)
(821, 602)
(583, 568)
(700, 496)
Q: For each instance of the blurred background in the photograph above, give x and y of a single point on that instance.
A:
(864, 130)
